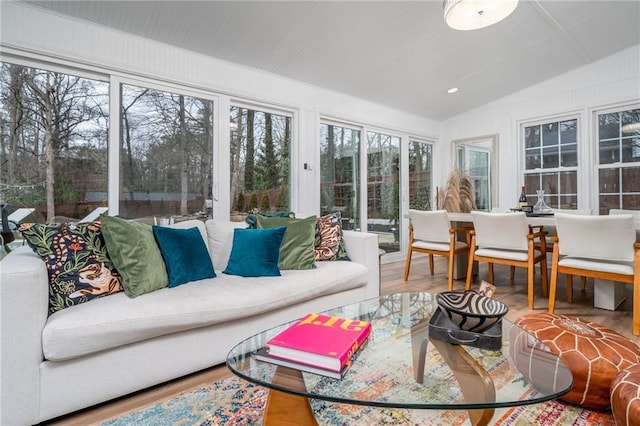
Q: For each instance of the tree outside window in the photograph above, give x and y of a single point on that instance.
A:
(383, 189)
(420, 175)
(340, 173)
(260, 162)
(53, 142)
(165, 154)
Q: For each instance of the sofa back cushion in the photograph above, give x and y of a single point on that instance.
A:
(220, 237)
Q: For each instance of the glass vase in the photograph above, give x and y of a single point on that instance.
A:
(541, 206)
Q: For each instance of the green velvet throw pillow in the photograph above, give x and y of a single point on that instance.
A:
(297, 250)
(135, 254)
(184, 253)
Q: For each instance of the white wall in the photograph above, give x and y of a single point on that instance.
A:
(612, 80)
(25, 30)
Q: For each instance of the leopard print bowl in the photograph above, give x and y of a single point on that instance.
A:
(471, 311)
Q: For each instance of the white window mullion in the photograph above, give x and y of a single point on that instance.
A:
(115, 107)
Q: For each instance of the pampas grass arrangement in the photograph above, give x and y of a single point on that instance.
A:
(458, 195)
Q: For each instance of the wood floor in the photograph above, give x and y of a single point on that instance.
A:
(514, 294)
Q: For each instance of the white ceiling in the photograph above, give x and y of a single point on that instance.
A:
(396, 53)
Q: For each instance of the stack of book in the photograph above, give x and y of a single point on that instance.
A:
(319, 344)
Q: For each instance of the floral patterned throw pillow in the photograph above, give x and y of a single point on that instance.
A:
(329, 244)
(77, 262)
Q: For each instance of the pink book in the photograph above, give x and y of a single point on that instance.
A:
(321, 340)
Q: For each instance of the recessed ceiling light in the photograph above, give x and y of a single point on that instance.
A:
(452, 90)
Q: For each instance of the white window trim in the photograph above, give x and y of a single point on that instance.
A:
(583, 171)
(595, 148)
(115, 83)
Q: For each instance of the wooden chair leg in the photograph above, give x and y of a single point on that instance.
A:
(470, 265)
(636, 306)
(431, 263)
(530, 286)
(552, 287)
(544, 278)
(512, 272)
(569, 289)
(407, 264)
(452, 259)
(583, 284)
(490, 270)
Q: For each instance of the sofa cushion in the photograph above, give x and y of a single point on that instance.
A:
(118, 320)
(184, 253)
(220, 237)
(329, 244)
(77, 262)
(296, 251)
(135, 254)
(255, 252)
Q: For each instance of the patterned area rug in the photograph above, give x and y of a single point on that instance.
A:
(234, 402)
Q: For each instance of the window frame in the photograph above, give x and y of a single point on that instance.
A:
(115, 83)
(225, 151)
(595, 150)
(558, 170)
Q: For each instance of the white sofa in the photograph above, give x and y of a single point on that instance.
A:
(112, 346)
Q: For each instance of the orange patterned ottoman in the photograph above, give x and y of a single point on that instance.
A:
(593, 353)
(625, 396)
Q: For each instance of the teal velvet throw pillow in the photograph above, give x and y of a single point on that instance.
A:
(135, 254)
(297, 251)
(184, 253)
(255, 252)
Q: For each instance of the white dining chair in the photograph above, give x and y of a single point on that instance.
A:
(602, 247)
(505, 238)
(634, 213)
(430, 232)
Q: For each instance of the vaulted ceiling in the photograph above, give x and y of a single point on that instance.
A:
(397, 53)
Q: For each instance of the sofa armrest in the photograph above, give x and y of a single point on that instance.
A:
(362, 247)
(24, 294)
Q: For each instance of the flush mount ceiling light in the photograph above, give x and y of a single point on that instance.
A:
(467, 15)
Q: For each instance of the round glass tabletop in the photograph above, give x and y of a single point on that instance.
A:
(409, 362)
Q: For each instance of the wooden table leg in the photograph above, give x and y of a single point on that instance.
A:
(476, 385)
(419, 342)
(285, 408)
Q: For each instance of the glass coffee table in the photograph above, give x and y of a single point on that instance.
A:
(401, 366)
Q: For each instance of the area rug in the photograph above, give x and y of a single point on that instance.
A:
(235, 402)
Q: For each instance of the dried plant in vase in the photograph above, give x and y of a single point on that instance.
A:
(458, 196)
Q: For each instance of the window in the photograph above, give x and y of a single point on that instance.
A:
(551, 162)
(618, 136)
(260, 161)
(340, 173)
(165, 153)
(420, 178)
(383, 189)
(54, 130)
